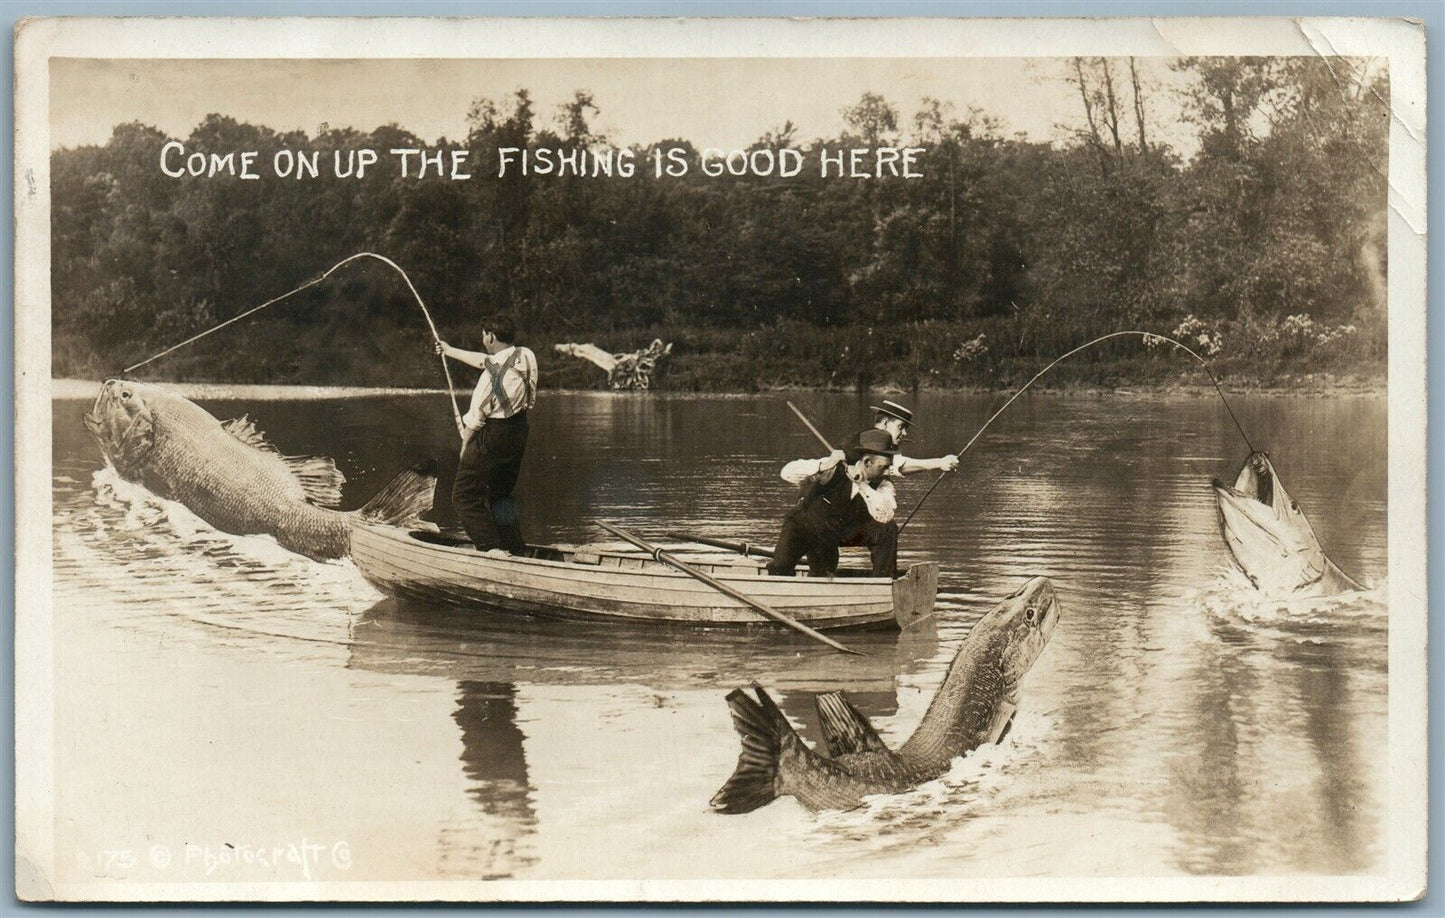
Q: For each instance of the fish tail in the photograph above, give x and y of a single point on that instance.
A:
(763, 729)
(405, 499)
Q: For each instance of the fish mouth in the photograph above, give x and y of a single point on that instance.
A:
(1049, 618)
(1223, 490)
(1043, 597)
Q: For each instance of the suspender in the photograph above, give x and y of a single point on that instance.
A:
(496, 371)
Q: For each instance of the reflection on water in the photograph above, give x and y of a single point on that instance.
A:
(495, 762)
(1174, 725)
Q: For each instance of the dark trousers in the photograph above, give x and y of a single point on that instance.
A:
(806, 536)
(482, 492)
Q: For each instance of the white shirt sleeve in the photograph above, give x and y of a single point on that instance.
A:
(801, 470)
(531, 372)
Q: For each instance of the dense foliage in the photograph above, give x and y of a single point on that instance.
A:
(1267, 246)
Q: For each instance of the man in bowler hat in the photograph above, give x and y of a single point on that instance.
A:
(847, 500)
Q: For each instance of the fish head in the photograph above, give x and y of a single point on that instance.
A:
(1268, 534)
(1255, 480)
(1019, 628)
(122, 420)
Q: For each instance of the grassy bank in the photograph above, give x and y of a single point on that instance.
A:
(991, 353)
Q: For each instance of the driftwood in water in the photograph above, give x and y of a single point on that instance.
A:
(624, 371)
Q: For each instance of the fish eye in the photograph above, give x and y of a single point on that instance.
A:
(125, 394)
(1031, 614)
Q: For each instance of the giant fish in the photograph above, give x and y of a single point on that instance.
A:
(1270, 538)
(229, 475)
(975, 705)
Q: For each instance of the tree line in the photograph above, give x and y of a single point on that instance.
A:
(1267, 246)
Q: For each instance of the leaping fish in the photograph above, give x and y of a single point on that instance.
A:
(1270, 538)
(975, 705)
(229, 475)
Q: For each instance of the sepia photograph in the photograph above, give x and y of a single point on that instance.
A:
(703, 460)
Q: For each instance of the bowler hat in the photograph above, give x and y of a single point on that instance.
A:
(872, 442)
(894, 410)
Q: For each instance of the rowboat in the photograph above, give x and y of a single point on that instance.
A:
(562, 581)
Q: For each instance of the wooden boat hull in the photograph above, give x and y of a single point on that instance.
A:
(578, 583)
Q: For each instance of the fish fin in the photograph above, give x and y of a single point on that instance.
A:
(845, 730)
(405, 499)
(1007, 727)
(245, 430)
(1336, 580)
(763, 728)
(318, 476)
(1002, 722)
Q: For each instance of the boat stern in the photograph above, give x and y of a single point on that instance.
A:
(914, 594)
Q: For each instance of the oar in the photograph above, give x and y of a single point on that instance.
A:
(723, 588)
(809, 424)
(744, 548)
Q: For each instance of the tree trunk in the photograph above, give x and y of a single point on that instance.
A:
(1112, 114)
(1138, 105)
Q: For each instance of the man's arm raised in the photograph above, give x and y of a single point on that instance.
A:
(908, 466)
(800, 470)
(474, 359)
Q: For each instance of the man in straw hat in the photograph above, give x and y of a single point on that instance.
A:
(847, 500)
(897, 420)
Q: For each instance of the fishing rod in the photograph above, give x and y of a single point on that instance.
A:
(1147, 336)
(436, 337)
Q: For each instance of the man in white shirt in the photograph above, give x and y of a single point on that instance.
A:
(897, 420)
(877, 532)
(847, 500)
(494, 436)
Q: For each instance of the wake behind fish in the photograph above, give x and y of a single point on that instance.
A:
(172, 521)
(973, 790)
(127, 555)
(1231, 599)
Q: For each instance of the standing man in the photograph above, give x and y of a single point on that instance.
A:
(896, 420)
(847, 500)
(494, 436)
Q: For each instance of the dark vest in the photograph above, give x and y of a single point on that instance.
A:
(831, 504)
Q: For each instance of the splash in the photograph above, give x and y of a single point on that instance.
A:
(1230, 599)
(967, 790)
(128, 556)
(141, 509)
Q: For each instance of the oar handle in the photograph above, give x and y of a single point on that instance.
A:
(745, 548)
(726, 590)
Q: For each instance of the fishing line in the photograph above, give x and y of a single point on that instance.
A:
(456, 409)
(1147, 336)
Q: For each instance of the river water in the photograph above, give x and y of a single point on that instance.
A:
(226, 710)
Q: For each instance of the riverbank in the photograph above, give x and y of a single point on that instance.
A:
(1332, 388)
(990, 354)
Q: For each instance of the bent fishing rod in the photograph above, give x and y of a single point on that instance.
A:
(436, 337)
(1147, 336)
